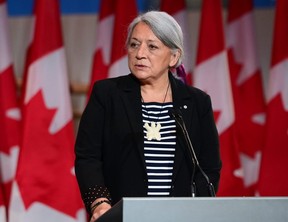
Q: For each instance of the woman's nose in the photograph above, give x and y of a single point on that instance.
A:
(141, 52)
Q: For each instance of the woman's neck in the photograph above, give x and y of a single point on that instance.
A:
(156, 93)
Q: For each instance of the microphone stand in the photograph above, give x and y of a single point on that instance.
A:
(180, 122)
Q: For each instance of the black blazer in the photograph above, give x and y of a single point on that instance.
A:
(110, 142)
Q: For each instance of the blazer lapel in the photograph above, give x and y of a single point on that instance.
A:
(132, 101)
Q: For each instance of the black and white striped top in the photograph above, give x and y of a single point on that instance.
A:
(159, 155)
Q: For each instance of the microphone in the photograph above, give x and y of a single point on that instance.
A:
(176, 115)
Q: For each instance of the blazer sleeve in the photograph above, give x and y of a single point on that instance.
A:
(88, 148)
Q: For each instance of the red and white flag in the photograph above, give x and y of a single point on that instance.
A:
(125, 12)
(247, 89)
(110, 57)
(212, 75)
(46, 187)
(273, 179)
(9, 111)
(103, 50)
(178, 10)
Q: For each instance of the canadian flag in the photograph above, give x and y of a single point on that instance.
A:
(212, 75)
(9, 112)
(103, 50)
(273, 179)
(178, 10)
(110, 57)
(45, 188)
(247, 88)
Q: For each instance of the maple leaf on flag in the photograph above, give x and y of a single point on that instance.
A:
(272, 178)
(274, 158)
(10, 114)
(248, 94)
(251, 165)
(45, 183)
(50, 163)
(249, 113)
(211, 74)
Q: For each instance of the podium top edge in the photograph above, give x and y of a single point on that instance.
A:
(202, 198)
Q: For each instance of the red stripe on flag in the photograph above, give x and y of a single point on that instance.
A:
(211, 35)
(107, 8)
(237, 8)
(273, 180)
(172, 6)
(126, 11)
(46, 33)
(280, 46)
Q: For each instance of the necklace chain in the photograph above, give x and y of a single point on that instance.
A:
(165, 96)
(153, 130)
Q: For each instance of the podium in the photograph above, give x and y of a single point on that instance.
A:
(199, 209)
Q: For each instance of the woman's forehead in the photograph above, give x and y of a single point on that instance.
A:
(142, 31)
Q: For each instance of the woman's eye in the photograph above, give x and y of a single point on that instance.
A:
(153, 47)
(133, 45)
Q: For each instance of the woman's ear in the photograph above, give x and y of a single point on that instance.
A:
(175, 55)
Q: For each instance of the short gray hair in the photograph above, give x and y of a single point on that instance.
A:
(164, 27)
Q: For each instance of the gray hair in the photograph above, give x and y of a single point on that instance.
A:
(164, 27)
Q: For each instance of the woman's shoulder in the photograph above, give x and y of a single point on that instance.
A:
(111, 80)
(110, 83)
(197, 92)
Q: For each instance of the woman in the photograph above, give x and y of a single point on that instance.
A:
(127, 144)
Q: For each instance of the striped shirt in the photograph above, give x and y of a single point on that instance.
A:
(159, 154)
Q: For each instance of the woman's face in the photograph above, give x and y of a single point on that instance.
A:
(148, 58)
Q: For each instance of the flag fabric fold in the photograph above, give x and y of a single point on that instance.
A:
(211, 74)
(9, 115)
(273, 180)
(45, 188)
(247, 90)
